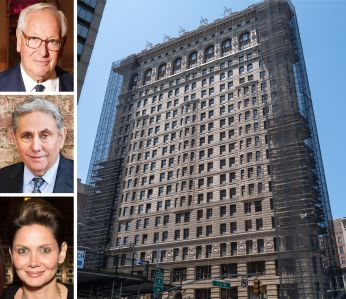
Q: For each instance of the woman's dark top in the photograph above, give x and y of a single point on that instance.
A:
(11, 291)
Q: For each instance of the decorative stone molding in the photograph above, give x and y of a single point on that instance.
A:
(199, 57)
(168, 68)
(217, 51)
(153, 74)
(268, 245)
(184, 62)
(216, 250)
(235, 43)
(169, 255)
(192, 253)
(241, 248)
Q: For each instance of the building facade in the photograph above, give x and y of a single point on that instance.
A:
(340, 236)
(89, 16)
(215, 170)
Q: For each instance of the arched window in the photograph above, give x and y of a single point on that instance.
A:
(209, 53)
(147, 76)
(176, 65)
(250, 67)
(241, 70)
(244, 40)
(133, 81)
(226, 46)
(161, 71)
(192, 59)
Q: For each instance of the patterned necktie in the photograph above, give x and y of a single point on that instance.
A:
(39, 88)
(38, 181)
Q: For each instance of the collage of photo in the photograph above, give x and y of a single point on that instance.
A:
(37, 138)
(172, 149)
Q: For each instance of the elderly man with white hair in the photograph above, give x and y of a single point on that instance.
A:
(40, 35)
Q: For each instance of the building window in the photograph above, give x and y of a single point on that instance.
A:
(223, 249)
(175, 254)
(248, 225)
(177, 65)
(134, 81)
(179, 274)
(223, 228)
(186, 233)
(249, 246)
(208, 251)
(203, 272)
(232, 209)
(258, 206)
(209, 53)
(163, 256)
(259, 224)
(192, 60)
(247, 207)
(229, 271)
(147, 76)
(177, 234)
(164, 235)
(250, 67)
(161, 71)
(234, 248)
(198, 252)
(199, 231)
(241, 70)
(260, 246)
(244, 40)
(209, 230)
(233, 226)
(226, 47)
(156, 237)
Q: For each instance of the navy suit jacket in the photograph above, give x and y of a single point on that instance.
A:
(11, 177)
(11, 80)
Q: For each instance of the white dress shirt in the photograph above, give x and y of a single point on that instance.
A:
(52, 84)
(49, 179)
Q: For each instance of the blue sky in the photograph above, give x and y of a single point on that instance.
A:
(127, 26)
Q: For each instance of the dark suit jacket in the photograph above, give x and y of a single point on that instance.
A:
(11, 177)
(11, 80)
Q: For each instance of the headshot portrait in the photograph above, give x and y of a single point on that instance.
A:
(36, 155)
(40, 41)
(39, 241)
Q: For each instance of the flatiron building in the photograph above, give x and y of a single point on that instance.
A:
(215, 170)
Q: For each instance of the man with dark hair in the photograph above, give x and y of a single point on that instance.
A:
(39, 134)
(40, 35)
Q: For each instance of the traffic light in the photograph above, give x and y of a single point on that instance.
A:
(257, 286)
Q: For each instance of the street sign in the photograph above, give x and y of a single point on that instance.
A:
(244, 282)
(80, 259)
(221, 284)
(158, 282)
(139, 262)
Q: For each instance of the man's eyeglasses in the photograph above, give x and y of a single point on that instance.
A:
(34, 42)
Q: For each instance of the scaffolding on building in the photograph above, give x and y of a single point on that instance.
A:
(304, 234)
(306, 264)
